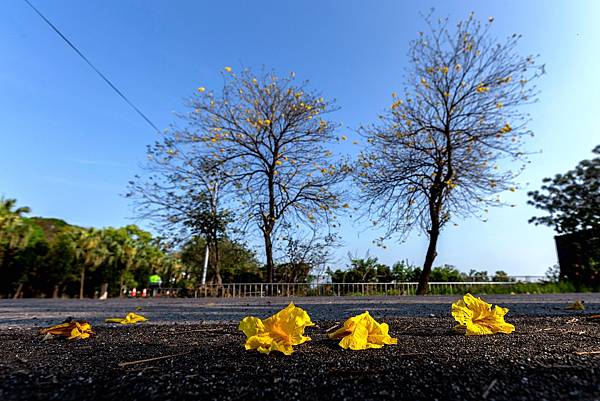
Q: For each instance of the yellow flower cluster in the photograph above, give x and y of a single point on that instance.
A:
(476, 317)
(481, 88)
(280, 332)
(507, 128)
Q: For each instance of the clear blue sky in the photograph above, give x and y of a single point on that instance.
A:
(69, 144)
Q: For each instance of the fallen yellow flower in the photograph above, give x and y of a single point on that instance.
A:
(72, 330)
(131, 318)
(577, 305)
(277, 333)
(362, 332)
(476, 317)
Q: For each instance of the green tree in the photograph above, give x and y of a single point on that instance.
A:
(446, 273)
(89, 251)
(15, 234)
(363, 271)
(238, 263)
(438, 154)
(572, 200)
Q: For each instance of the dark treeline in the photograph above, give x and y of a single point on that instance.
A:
(369, 270)
(47, 257)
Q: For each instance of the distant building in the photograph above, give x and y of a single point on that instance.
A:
(579, 257)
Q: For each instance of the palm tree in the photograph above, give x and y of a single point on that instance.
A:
(14, 232)
(90, 253)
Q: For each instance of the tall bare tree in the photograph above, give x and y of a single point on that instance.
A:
(268, 135)
(443, 150)
(182, 193)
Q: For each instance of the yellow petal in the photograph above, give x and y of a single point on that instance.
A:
(130, 318)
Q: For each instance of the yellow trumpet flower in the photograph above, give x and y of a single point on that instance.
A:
(280, 332)
(476, 317)
(76, 329)
(363, 332)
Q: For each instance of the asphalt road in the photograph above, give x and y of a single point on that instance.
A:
(191, 350)
(42, 312)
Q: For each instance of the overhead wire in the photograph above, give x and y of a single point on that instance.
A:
(104, 77)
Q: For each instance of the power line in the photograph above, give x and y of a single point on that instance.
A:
(93, 67)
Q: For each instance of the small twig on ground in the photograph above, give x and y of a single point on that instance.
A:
(588, 353)
(203, 331)
(489, 388)
(158, 358)
(335, 326)
(593, 317)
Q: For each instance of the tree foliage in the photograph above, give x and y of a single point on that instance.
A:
(439, 153)
(572, 199)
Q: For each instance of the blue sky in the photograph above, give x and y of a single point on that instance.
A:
(69, 144)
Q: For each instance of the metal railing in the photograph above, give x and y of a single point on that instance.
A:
(238, 290)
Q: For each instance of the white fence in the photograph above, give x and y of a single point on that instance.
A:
(340, 289)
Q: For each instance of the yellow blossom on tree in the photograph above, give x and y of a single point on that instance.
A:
(201, 89)
(228, 69)
(444, 70)
(481, 88)
(280, 332)
(506, 128)
(476, 317)
(363, 332)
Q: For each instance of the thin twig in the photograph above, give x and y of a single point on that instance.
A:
(158, 358)
(588, 353)
(489, 388)
(203, 331)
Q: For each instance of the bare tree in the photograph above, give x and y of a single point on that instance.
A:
(181, 194)
(442, 151)
(266, 136)
(305, 256)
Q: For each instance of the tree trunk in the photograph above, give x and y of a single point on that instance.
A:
(18, 291)
(270, 264)
(217, 260)
(121, 281)
(81, 283)
(429, 258)
(104, 291)
(55, 291)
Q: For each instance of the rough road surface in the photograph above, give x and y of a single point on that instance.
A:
(554, 353)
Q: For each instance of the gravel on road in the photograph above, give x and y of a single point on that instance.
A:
(553, 354)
